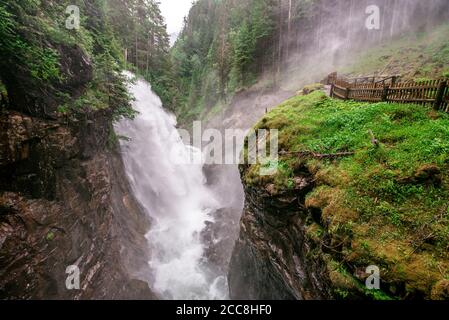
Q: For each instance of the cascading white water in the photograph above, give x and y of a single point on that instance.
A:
(174, 195)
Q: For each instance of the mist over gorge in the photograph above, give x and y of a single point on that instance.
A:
(97, 175)
(295, 43)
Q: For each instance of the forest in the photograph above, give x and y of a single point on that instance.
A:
(227, 46)
(224, 47)
(34, 42)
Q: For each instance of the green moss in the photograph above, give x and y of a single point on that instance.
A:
(42, 63)
(34, 40)
(377, 295)
(50, 236)
(315, 232)
(441, 290)
(311, 88)
(384, 205)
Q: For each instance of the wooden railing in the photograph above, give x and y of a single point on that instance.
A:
(388, 89)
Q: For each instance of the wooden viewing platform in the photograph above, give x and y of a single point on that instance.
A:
(390, 89)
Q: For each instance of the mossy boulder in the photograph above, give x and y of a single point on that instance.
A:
(384, 205)
(310, 88)
(441, 290)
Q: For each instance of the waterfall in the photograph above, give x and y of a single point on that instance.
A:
(173, 193)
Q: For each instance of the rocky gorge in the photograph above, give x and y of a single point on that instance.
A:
(64, 197)
(273, 254)
(94, 170)
(65, 201)
(316, 227)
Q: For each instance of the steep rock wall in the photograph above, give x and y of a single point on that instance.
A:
(272, 257)
(64, 200)
(316, 227)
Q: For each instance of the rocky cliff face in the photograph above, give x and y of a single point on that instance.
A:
(315, 228)
(64, 196)
(64, 200)
(273, 257)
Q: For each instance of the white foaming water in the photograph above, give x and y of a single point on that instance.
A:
(174, 195)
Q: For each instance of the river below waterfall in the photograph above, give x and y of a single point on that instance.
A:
(176, 196)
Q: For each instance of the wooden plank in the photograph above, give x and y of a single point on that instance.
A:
(393, 91)
(339, 87)
(419, 91)
(415, 91)
(369, 89)
(401, 92)
(440, 97)
(427, 90)
(413, 100)
(404, 92)
(339, 95)
(430, 90)
(445, 104)
(370, 99)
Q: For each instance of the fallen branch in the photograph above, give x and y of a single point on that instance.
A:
(374, 141)
(304, 154)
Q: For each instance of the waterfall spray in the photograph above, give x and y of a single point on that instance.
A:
(174, 195)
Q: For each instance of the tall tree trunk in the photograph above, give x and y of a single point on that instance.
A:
(222, 66)
(274, 71)
(147, 68)
(289, 28)
(137, 54)
(280, 40)
(126, 58)
(223, 50)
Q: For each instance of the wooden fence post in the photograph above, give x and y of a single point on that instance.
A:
(347, 93)
(440, 95)
(331, 78)
(393, 80)
(385, 93)
(332, 90)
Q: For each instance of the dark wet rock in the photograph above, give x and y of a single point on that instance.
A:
(30, 150)
(64, 200)
(219, 243)
(273, 257)
(220, 234)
